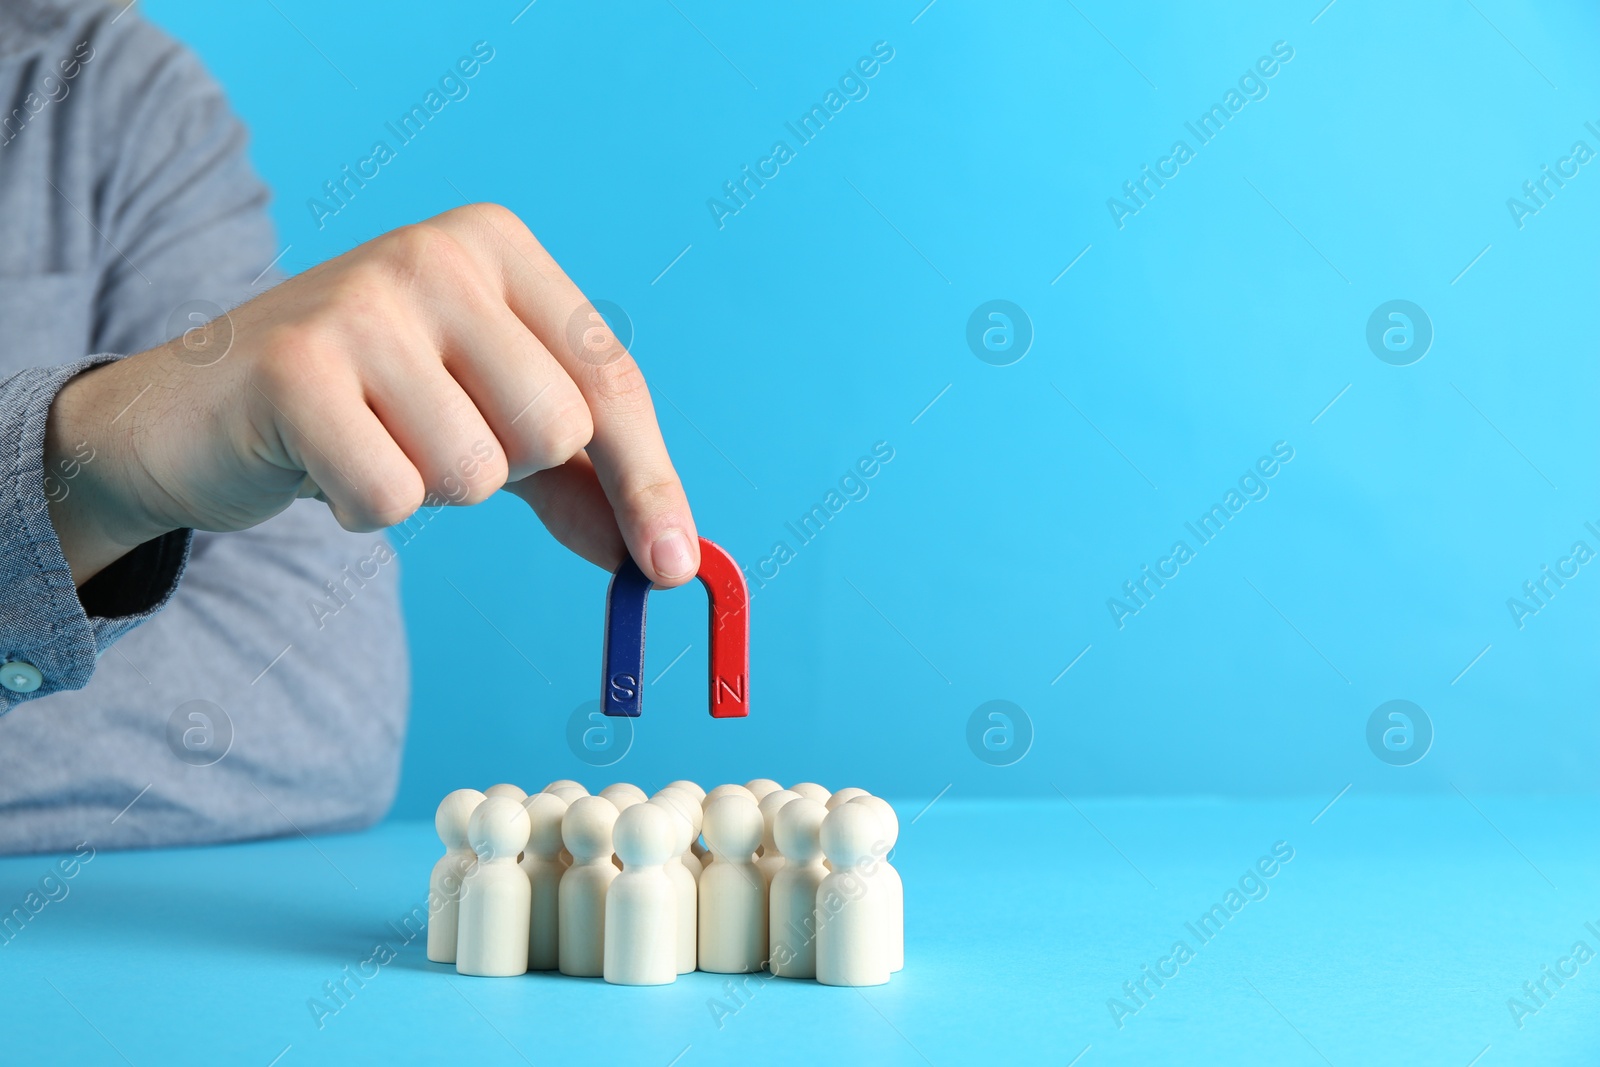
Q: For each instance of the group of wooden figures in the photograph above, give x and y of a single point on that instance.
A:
(619, 886)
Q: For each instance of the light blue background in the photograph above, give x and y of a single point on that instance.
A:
(827, 315)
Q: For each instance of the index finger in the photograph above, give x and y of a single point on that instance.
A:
(628, 452)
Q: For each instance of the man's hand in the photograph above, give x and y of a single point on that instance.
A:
(446, 359)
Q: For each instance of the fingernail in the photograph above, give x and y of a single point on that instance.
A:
(671, 556)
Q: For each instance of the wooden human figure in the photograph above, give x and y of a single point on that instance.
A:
(624, 795)
(566, 789)
(686, 804)
(884, 875)
(811, 791)
(760, 787)
(733, 895)
(682, 868)
(851, 947)
(444, 885)
(641, 928)
(717, 792)
(792, 943)
(541, 862)
(688, 787)
(845, 795)
(720, 791)
(586, 831)
(770, 857)
(699, 795)
(495, 896)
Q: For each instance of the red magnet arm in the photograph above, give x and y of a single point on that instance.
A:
(730, 631)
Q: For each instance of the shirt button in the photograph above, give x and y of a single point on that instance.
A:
(20, 677)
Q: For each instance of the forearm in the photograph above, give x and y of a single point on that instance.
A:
(85, 461)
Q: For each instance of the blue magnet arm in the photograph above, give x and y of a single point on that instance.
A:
(622, 687)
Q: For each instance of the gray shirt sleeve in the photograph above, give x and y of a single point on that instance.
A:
(246, 685)
(47, 640)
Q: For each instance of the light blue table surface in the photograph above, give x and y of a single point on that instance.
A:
(1397, 933)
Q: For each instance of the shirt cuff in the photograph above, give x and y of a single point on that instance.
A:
(48, 641)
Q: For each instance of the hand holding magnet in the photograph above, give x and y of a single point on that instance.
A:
(622, 685)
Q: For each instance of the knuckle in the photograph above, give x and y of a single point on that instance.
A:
(649, 497)
(414, 242)
(502, 218)
(498, 214)
(498, 223)
(564, 435)
(425, 250)
(621, 383)
(488, 480)
(474, 492)
(389, 505)
(475, 477)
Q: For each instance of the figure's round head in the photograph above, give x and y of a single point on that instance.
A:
(721, 791)
(760, 787)
(888, 821)
(688, 787)
(732, 825)
(812, 791)
(586, 828)
(567, 790)
(848, 834)
(644, 836)
(451, 818)
(686, 815)
(498, 829)
(506, 789)
(770, 805)
(545, 812)
(624, 789)
(798, 830)
(845, 796)
(621, 801)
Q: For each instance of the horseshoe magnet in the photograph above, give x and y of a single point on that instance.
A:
(622, 685)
